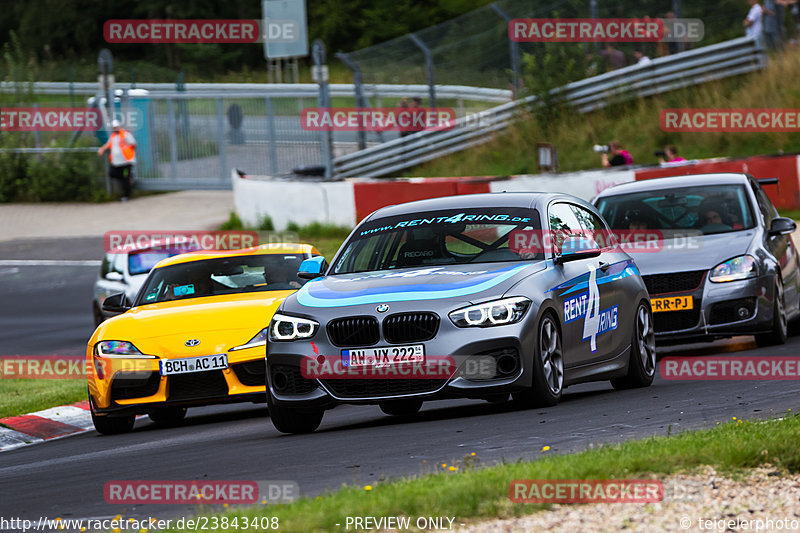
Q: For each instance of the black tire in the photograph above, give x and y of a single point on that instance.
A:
(167, 416)
(548, 367)
(111, 425)
(407, 407)
(642, 362)
(780, 329)
(293, 421)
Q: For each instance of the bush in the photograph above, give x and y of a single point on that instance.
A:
(233, 223)
(266, 224)
(53, 177)
(319, 230)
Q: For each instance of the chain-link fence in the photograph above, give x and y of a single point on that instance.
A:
(474, 49)
(199, 139)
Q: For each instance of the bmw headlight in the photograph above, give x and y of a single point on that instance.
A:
(291, 328)
(497, 313)
(259, 340)
(741, 267)
(119, 349)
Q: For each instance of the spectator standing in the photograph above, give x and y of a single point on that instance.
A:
(753, 22)
(793, 12)
(417, 115)
(614, 58)
(618, 157)
(672, 46)
(121, 147)
(769, 15)
(404, 106)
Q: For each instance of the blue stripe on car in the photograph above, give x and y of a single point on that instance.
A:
(617, 271)
(319, 295)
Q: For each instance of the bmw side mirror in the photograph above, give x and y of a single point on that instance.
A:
(578, 247)
(781, 226)
(312, 268)
(116, 303)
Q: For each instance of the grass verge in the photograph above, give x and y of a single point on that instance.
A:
(327, 238)
(470, 493)
(22, 396)
(636, 125)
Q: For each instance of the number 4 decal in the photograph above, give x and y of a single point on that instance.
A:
(591, 324)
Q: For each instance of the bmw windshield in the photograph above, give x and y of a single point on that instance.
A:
(436, 238)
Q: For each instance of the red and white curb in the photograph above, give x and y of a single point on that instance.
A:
(49, 424)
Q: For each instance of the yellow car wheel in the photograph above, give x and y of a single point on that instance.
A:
(111, 425)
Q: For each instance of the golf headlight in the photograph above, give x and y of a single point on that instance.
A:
(741, 267)
(259, 340)
(119, 349)
(497, 313)
(290, 328)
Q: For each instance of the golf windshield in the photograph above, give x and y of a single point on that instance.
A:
(437, 238)
(707, 209)
(226, 275)
(143, 262)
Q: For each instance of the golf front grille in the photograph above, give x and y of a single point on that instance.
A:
(667, 321)
(410, 327)
(208, 384)
(354, 331)
(677, 282)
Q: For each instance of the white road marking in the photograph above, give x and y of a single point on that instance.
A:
(10, 439)
(49, 262)
(68, 414)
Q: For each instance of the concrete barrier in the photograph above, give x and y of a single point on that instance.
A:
(345, 203)
(301, 202)
(786, 195)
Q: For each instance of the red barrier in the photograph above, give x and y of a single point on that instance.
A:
(372, 195)
(785, 195)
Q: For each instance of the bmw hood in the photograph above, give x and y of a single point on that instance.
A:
(467, 282)
(683, 254)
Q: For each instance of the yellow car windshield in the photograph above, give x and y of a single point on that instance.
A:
(222, 276)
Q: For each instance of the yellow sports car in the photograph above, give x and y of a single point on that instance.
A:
(195, 335)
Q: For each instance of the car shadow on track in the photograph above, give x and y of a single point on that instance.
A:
(243, 413)
(470, 410)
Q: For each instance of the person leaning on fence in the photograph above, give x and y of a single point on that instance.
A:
(121, 146)
(754, 20)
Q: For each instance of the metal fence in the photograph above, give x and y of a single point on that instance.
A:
(474, 48)
(376, 92)
(195, 137)
(693, 67)
(192, 138)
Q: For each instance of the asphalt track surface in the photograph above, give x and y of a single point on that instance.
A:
(45, 309)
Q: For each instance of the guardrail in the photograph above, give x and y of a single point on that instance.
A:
(278, 90)
(722, 60)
